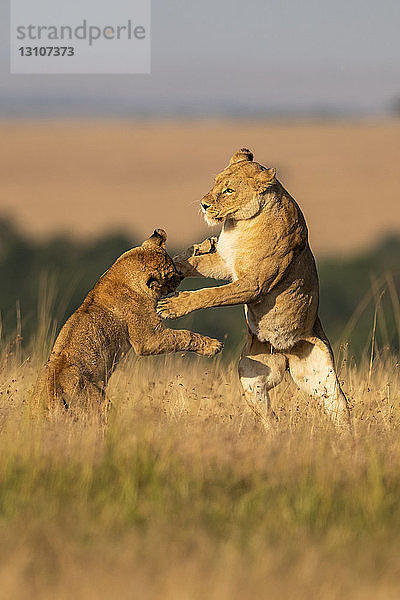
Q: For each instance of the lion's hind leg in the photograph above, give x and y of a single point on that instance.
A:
(79, 394)
(260, 370)
(63, 387)
(312, 367)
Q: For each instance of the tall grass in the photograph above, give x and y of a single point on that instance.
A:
(183, 494)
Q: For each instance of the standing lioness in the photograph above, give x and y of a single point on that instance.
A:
(263, 250)
(116, 315)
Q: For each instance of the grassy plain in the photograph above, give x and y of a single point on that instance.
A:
(183, 494)
(89, 177)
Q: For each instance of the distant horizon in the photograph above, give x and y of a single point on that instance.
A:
(32, 106)
(87, 176)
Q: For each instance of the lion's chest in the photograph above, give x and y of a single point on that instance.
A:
(228, 247)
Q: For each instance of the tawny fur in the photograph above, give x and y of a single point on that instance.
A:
(117, 314)
(263, 250)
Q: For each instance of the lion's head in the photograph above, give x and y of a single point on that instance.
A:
(239, 190)
(152, 270)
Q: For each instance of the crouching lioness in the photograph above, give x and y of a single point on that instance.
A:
(263, 250)
(117, 314)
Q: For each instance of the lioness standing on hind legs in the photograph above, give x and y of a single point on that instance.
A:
(263, 250)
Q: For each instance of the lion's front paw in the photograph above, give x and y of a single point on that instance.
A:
(207, 247)
(182, 264)
(175, 307)
(211, 347)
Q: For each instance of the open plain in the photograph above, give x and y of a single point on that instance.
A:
(86, 178)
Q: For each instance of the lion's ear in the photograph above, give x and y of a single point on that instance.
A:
(271, 173)
(158, 239)
(267, 175)
(242, 154)
(264, 180)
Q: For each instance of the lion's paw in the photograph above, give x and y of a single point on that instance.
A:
(209, 246)
(211, 347)
(175, 307)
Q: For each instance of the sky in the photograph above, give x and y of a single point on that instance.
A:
(230, 57)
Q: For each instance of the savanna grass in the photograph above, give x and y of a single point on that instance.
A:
(184, 492)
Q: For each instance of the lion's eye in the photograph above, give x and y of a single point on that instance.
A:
(228, 191)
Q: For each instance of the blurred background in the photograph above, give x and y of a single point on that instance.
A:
(90, 164)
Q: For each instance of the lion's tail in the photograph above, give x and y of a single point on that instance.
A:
(48, 389)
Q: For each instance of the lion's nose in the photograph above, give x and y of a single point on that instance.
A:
(205, 205)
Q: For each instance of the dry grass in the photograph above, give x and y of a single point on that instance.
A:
(184, 495)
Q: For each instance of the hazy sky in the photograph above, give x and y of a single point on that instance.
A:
(231, 56)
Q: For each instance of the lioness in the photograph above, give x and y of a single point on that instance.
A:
(263, 250)
(117, 314)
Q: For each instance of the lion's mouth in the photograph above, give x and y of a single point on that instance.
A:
(211, 219)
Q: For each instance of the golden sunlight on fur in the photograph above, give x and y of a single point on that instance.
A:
(263, 251)
(118, 314)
